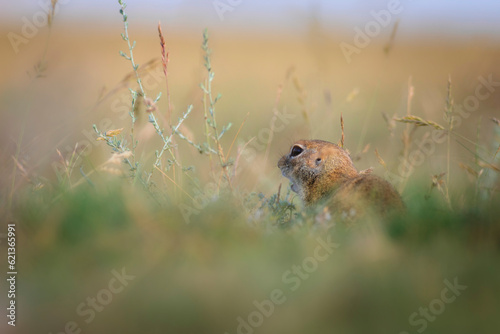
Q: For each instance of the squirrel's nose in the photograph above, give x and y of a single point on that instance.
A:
(281, 162)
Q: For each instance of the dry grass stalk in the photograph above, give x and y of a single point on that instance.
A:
(131, 76)
(388, 47)
(488, 165)
(164, 53)
(51, 13)
(22, 169)
(449, 117)
(273, 122)
(127, 79)
(391, 124)
(237, 133)
(468, 169)
(380, 160)
(279, 193)
(358, 155)
(352, 95)
(496, 153)
(440, 185)
(175, 183)
(407, 132)
(418, 121)
(238, 155)
(342, 128)
(164, 61)
(301, 98)
(411, 93)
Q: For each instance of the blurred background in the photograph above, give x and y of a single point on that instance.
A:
(289, 68)
(294, 56)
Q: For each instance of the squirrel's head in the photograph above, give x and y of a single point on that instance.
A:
(316, 168)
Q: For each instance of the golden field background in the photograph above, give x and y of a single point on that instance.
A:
(83, 85)
(201, 276)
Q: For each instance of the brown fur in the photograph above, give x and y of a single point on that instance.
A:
(320, 170)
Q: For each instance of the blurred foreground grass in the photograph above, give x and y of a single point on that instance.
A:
(202, 276)
(101, 253)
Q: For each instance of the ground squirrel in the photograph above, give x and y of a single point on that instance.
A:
(322, 171)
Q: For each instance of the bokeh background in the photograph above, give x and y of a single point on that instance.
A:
(260, 49)
(268, 57)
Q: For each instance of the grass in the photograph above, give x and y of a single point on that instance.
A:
(202, 276)
(178, 206)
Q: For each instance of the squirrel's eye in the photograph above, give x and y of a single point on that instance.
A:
(296, 150)
(318, 161)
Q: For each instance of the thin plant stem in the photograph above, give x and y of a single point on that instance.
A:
(142, 92)
(364, 130)
(479, 175)
(407, 133)
(209, 103)
(273, 123)
(449, 116)
(40, 66)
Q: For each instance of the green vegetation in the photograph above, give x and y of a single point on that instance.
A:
(208, 253)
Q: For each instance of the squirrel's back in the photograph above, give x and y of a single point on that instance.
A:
(320, 171)
(366, 193)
